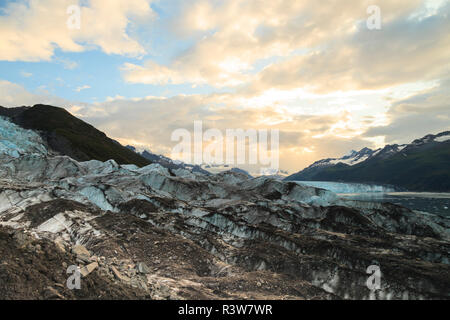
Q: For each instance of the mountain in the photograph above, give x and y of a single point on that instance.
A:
(68, 135)
(251, 171)
(238, 170)
(167, 162)
(422, 165)
(159, 233)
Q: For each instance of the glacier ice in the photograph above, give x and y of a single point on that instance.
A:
(340, 187)
(15, 141)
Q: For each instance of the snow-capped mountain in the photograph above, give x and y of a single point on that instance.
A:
(167, 162)
(354, 157)
(422, 165)
(250, 170)
(156, 233)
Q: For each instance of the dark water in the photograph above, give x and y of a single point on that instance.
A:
(436, 203)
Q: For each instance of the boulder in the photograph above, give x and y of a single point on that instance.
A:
(142, 268)
(86, 270)
(81, 252)
(52, 294)
(118, 275)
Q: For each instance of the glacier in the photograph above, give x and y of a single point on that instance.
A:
(341, 187)
(234, 227)
(15, 141)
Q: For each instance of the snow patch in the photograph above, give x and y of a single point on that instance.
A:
(442, 138)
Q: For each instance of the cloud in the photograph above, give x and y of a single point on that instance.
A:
(26, 74)
(234, 39)
(67, 63)
(78, 89)
(31, 30)
(149, 123)
(406, 50)
(308, 68)
(14, 95)
(416, 116)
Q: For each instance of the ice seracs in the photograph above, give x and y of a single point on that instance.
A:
(15, 141)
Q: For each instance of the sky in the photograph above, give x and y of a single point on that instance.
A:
(314, 70)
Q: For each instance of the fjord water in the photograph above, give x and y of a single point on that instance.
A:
(436, 203)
